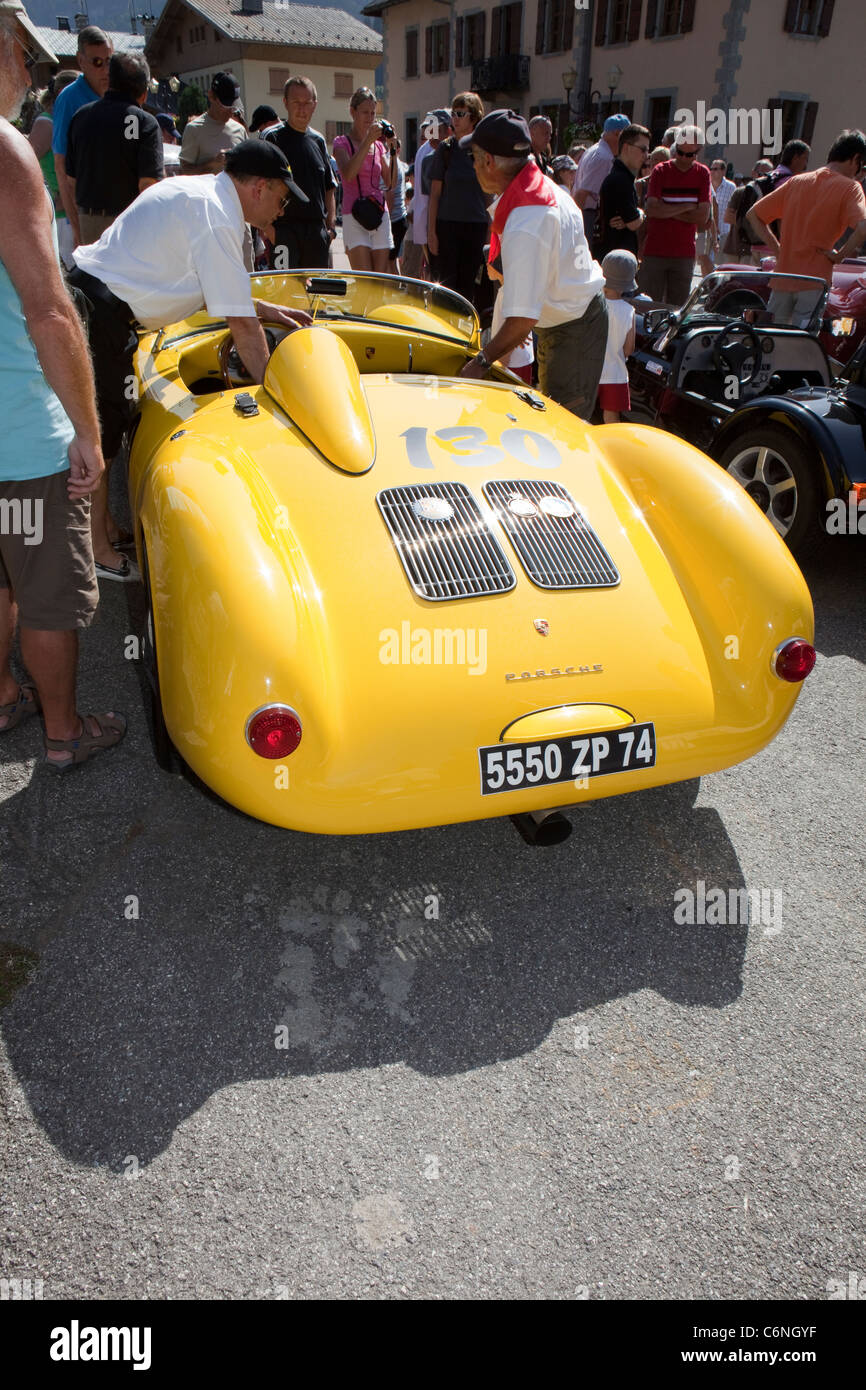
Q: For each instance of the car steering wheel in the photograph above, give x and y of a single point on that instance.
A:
(232, 369)
(732, 348)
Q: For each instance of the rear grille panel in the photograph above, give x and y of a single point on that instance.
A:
(457, 557)
(557, 552)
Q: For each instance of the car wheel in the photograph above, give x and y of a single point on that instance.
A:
(164, 750)
(776, 471)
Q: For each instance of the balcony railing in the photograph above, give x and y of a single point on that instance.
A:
(508, 73)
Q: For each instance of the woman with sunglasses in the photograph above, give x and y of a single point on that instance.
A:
(368, 169)
(457, 222)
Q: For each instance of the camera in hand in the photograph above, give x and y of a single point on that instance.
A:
(388, 131)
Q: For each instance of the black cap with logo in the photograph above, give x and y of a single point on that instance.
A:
(225, 88)
(500, 132)
(261, 160)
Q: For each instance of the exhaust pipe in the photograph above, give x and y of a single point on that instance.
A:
(542, 827)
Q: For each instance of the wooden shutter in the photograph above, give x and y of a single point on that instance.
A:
(496, 32)
(809, 117)
(826, 18)
(446, 48)
(480, 34)
(634, 21)
(428, 48)
(651, 17)
(459, 45)
(790, 21)
(567, 26)
(600, 23)
(687, 23)
(539, 25)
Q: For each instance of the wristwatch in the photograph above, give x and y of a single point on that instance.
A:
(484, 358)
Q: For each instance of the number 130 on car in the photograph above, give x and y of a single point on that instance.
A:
(506, 767)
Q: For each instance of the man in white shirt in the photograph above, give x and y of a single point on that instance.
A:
(177, 249)
(594, 168)
(550, 283)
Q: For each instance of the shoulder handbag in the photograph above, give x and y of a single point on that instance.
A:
(367, 211)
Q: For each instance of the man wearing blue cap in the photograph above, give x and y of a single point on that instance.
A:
(594, 169)
(550, 283)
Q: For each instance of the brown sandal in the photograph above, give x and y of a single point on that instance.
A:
(20, 708)
(111, 729)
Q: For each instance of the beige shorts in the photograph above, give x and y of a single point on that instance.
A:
(46, 556)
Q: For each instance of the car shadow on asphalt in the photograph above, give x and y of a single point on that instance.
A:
(190, 948)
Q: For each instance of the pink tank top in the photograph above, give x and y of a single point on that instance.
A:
(368, 184)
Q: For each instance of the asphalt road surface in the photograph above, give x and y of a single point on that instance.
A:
(551, 1089)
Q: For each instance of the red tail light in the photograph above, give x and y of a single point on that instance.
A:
(794, 659)
(273, 731)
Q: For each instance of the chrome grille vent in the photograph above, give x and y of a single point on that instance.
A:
(555, 543)
(445, 546)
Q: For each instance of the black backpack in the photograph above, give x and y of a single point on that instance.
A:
(752, 193)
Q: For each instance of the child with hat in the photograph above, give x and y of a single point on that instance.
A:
(619, 268)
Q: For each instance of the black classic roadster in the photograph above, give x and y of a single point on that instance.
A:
(739, 372)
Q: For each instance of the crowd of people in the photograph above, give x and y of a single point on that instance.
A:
(554, 247)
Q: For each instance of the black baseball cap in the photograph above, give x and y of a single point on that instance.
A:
(225, 88)
(500, 132)
(262, 160)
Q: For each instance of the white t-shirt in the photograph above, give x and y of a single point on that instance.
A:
(620, 317)
(420, 199)
(179, 247)
(548, 272)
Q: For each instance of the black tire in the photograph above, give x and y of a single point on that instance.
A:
(782, 482)
(164, 751)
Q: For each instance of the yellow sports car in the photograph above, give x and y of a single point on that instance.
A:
(382, 596)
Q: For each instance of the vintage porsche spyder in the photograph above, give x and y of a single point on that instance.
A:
(381, 596)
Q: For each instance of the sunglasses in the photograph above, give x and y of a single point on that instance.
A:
(30, 58)
(460, 113)
(687, 154)
(644, 149)
(98, 62)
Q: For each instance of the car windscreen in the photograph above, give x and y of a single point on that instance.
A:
(392, 299)
(765, 299)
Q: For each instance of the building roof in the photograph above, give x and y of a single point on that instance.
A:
(301, 26)
(65, 44)
(379, 6)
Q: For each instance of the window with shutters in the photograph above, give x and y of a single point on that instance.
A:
(412, 69)
(666, 18)
(344, 84)
(335, 128)
(506, 22)
(811, 17)
(471, 33)
(798, 119)
(617, 21)
(411, 141)
(438, 36)
(671, 15)
(555, 26)
(277, 79)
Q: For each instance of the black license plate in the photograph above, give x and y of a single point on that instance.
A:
(511, 767)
